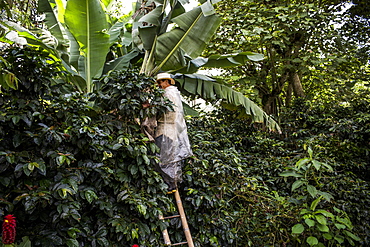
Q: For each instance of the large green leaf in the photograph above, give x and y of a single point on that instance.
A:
(150, 26)
(229, 60)
(74, 48)
(220, 61)
(56, 27)
(7, 78)
(74, 51)
(192, 32)
(107, 2)
(121, 63)
(88, 23)
(116, 29)
(31, 38)
(148, 33)
(153, 17)
(51, 21)
(208, 89)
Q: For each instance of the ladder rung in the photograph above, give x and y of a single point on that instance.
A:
(171, 217)
(179, 243)
(189, 240)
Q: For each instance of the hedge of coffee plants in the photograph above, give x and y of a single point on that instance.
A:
(273, 190)
(76, 169)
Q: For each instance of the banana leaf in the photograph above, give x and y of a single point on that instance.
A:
(189, 111)
(116, 29)
(7, 78)
(54, 26)
(88, 23)
(190, 36)
(148, 33)
(208, 89)
(30, 38)
(121, 63)
(153, 17)
(219, 61)
(107, 2)
(230, 60)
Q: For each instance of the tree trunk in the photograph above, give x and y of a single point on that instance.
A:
(297, 85)
(269, 105)
(272, 101)
(289, 92)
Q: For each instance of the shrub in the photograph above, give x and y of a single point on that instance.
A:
(75, 168)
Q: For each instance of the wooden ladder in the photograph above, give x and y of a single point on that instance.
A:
(185, 227)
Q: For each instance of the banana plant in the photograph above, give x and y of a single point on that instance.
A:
(211, 90)
(83, 33)
(177, 51)
(88, 24)
(87, 31)
(169, 50)
(164, 37)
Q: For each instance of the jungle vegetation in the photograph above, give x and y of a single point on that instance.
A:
(281, 160)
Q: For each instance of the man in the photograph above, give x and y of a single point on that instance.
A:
(171, 135)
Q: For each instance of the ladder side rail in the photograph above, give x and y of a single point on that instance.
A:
(183, 219)
(165, 235)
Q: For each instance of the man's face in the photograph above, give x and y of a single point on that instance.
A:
(163, 83)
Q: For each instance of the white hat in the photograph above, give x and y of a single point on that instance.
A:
(165, 76)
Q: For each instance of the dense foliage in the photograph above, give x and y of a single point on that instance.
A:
(75, 169)
(306, 44)
(293, 190)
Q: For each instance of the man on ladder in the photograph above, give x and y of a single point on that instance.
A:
(171, 135)
(172, 138)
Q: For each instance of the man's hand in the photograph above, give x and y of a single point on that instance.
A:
(146, 104)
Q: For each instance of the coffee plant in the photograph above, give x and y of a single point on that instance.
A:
(76, 169)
